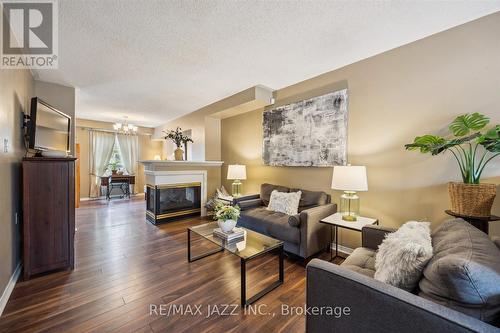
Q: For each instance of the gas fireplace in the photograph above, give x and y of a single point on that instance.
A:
(173, 201)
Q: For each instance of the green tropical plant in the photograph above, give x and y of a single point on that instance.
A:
(464, 145)
(177, 137)
(226, 212)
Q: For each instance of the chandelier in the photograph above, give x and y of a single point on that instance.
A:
(125, 127)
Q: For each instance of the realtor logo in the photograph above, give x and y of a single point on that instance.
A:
(29, 34)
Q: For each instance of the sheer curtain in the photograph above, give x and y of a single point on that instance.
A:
(101, 149)
(129, 150)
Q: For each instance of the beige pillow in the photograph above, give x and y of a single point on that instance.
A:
(282, 202)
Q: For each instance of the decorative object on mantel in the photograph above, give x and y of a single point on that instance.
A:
(237, 173)
(157, 157)
(311, 132)
(125, 127)
(349, 179)
(469, 198)
(179, 139)
(226, 216)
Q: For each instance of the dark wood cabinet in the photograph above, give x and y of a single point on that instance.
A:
(48, 214)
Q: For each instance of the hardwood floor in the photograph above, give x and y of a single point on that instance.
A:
(124, 265)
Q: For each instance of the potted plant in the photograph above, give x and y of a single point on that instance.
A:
(114, 167)
(473, 147)
(226, 216)
(179, 139)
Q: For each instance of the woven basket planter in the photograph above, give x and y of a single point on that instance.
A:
(472, 199)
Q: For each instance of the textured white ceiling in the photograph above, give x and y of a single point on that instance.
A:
(157, 60)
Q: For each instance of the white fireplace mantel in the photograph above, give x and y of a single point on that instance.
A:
(163, 172)
(162, 164)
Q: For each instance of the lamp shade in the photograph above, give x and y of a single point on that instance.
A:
(237, 171)
(349, 178)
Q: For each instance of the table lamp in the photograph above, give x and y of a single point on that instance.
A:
(237, 173)
(350, 179)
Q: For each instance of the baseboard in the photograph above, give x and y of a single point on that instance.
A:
(104, 197)
(10, 286)
(343, 249)
(92, 199)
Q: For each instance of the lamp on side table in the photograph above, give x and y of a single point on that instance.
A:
(350, 179)
(237, 173)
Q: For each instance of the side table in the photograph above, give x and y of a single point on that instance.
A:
(482, 223)
(336, 221)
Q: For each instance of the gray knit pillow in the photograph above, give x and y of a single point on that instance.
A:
(403, 255)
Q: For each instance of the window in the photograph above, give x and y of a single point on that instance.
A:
(115, 160)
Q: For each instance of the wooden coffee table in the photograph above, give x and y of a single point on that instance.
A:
(253, 246)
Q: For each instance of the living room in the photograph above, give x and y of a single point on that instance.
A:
(343, 179)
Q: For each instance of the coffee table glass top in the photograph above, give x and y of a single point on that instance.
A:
(252, 245)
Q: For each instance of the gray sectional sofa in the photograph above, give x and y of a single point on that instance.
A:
(459, 290)
(302, 234)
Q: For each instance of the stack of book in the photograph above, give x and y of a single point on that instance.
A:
(235, 235)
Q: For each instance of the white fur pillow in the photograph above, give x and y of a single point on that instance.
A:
(403, 255)
(283, 202)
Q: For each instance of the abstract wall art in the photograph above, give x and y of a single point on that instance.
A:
(310, 132)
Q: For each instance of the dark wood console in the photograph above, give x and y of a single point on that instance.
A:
(48, 214)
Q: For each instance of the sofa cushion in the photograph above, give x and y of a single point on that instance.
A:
(251, 219)
(464, 273)
(279, 228)
(270, 223)
(361, 260)
(311, 198)
(266, 189)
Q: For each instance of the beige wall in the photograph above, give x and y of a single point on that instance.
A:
(393, 97)
(205, 124)
(15, 94)
(196, 123)
(63, 99)
(147, 150)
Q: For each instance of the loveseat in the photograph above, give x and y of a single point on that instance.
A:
(302, 234)
(459, 290)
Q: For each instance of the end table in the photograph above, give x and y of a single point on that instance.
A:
(336, 221)
(482, 223)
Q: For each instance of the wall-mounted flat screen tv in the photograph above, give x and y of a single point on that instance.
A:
(49, 129)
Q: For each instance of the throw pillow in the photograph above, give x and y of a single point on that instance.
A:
(282, 202)
(222, 194)
(403, 255)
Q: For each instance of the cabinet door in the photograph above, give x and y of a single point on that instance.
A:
(48, 190)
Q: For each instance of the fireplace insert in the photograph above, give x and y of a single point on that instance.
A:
(173, 201)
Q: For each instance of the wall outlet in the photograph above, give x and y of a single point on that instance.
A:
(5, 145)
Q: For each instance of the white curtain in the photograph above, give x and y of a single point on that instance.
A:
(129, 151)
(101, 149)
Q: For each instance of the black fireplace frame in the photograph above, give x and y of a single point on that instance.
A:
(153, 212)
